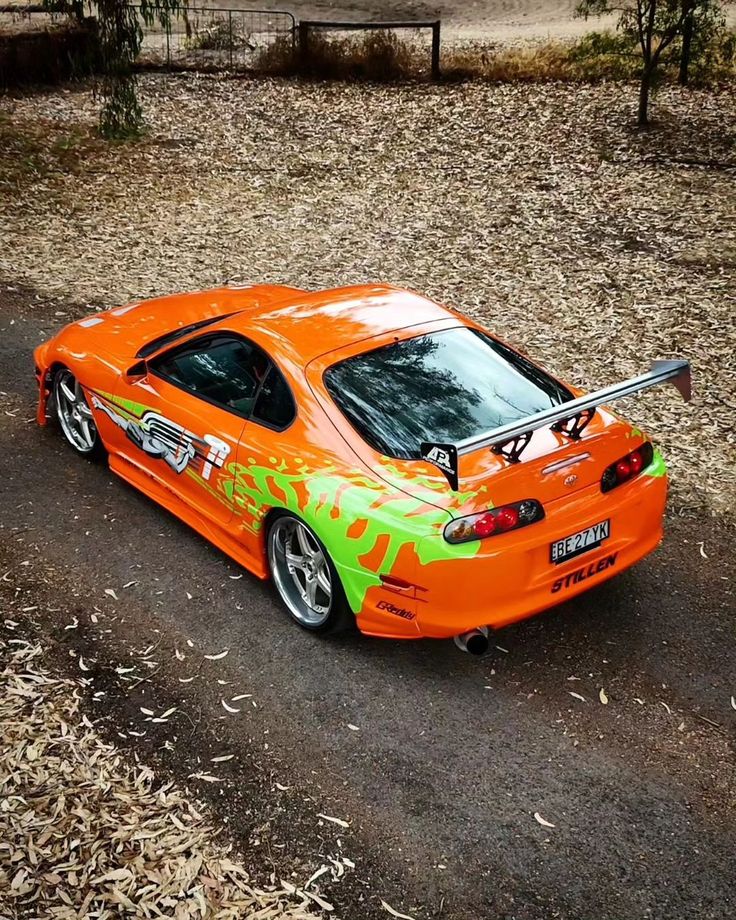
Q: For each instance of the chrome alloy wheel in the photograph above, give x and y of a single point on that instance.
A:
(301, 572)
(75, 416)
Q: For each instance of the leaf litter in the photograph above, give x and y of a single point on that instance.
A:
(109, 837)
(573, 227)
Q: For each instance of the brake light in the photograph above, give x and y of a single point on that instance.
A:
(627, 467)
(494, 521)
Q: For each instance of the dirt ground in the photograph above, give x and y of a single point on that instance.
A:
(504, 21)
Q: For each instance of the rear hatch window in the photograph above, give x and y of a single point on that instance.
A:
(443, 386)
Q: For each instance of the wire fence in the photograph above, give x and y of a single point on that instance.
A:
(211, 38)
(208, 38)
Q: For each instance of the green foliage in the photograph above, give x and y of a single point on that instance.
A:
(605, 55)
(120, 36)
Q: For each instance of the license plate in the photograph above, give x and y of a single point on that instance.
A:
(580, 542)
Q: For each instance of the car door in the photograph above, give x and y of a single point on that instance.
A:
(188, 414)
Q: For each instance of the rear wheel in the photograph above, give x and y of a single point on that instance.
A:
(305, 577)
(75, 416)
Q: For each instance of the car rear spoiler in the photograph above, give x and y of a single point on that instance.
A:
(568, 418)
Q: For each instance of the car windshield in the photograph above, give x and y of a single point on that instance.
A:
(444, 387)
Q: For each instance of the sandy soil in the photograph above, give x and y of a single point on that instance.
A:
(507, 21)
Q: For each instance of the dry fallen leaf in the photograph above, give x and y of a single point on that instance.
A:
(540, 820)
(229, 708)
(577, 696)
(111, 593)
(394, 913)
(334, 820)
(315, 875)
(218, 656)
(318, 900)
(602, 696)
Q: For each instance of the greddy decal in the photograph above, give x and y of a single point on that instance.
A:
(397, 611)
(586, 572)
(165, 440)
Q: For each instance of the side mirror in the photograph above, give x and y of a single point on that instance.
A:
(136, 372)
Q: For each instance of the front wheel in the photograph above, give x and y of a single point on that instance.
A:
(75, 416)
(305, 577)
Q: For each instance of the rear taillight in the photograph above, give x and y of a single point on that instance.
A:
(494, 521)
(627, 467)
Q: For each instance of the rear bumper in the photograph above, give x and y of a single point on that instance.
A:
(510, 577)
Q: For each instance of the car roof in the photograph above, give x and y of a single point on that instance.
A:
(313, 324)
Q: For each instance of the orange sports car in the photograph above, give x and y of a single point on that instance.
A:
(385, 460)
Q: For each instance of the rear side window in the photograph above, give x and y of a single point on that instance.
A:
(233, 373)
(275, 404)
(445, 386)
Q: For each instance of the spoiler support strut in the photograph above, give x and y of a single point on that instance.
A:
(568, 418)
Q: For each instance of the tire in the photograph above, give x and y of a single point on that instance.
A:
(75, 416)
(305, 577)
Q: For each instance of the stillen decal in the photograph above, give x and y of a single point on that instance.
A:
(165, 440)
(589, 571)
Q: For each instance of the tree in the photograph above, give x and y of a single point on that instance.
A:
(653, 26)
(120, 35)
(699, 30)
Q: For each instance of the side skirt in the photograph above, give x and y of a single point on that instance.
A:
(162, 495)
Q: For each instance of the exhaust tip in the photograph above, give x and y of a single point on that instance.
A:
(474, 642)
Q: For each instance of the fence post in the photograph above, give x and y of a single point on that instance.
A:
(303, 47)
(436, 50)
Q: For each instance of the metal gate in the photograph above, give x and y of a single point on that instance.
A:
(210, 38)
